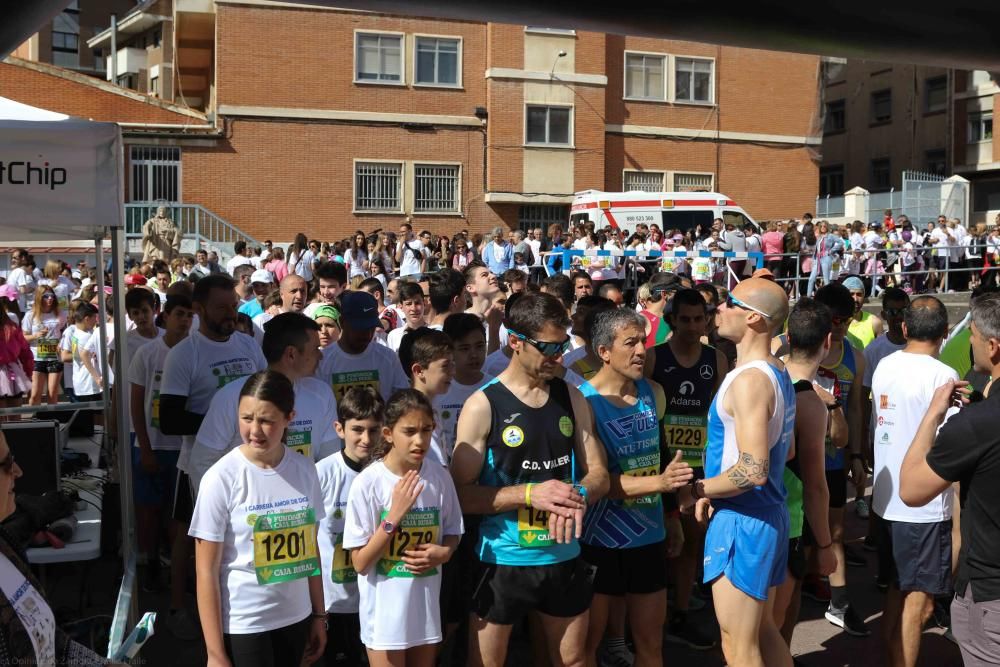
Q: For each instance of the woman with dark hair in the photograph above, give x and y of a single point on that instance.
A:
(461, 254)
(301, 258)
(260, 592)
(356, 257)
(807, 252)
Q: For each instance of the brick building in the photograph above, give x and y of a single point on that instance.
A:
(881, 119)
(325, 121)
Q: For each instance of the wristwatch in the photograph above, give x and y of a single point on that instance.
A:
(833, 406)
(388, 526)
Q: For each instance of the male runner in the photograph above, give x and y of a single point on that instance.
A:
(750, 432)
(807, 497)
(624, 535)
(690, 373)
(526, 458)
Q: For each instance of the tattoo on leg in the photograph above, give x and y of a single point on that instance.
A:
(748, 469)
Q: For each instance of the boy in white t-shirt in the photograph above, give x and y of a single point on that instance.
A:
(428, 360)
(359, 425)
(154, 455)
(468, 338)
(411, 298)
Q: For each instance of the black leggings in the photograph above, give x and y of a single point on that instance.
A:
(273, 648)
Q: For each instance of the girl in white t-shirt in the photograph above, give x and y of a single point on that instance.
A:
(42, 328)
(403, 523)
(260, 588)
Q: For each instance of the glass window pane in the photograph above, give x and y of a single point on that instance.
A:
(702, 90)
(367, 59)
(558, 126)
(448, 67)
(654, 83)
(633, 81)
(391, 66)
(537, 117)
(682, 85)
(425, 67)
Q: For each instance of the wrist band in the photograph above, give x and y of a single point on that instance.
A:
(826, 546)
(582, 490)
(527, 494)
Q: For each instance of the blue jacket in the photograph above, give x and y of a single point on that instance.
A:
(506, 262)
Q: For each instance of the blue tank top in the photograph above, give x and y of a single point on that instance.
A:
(631, 438)
(838, 381)
(722, 451)
(526, 444)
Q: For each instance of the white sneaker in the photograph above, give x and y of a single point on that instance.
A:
(183, 625)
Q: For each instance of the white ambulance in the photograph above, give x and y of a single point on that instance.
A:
(669, 210)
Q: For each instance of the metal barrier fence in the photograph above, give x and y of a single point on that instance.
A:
(789, 266)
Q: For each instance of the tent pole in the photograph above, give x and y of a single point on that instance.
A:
(121, 407)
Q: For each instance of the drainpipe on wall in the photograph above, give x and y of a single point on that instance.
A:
(113, 70)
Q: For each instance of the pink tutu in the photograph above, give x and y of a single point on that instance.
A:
(13, 380)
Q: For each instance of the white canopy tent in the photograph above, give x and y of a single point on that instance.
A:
(61, 179)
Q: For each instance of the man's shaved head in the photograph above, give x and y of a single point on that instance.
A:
(767, 296)
(294, 292)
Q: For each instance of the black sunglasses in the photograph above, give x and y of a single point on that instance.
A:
(546, 349)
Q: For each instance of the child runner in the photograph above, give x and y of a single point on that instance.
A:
(411, 298)
(427, 356)
(42, 328)
(359, 424)
(154, 455)
(260, 592)
(401, 527)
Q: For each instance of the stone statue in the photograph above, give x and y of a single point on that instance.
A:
(160, 237)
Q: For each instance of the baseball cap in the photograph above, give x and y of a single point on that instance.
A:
(261, 276)
(359, 310)
(327, 310)
(854, 284)
(135, 279)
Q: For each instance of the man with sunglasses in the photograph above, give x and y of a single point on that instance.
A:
(750, 434)
(527, 459)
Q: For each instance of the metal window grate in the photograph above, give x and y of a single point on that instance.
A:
(693, 182)
(435, 188)
(530, 216)
(643, 181)
(156, 173)
(378, 186)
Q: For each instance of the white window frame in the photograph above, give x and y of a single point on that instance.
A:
(354, 188)
(458, 85)
(666, 76)
(458, 187)
(664, 176)
(673, 79)
(977, 118)
(358, 32)
(674, 174)
(542, 30)
(572, 125)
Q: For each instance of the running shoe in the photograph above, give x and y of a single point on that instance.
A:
(853, 558)
(847, 619)
(682, 631)
(816, 589)
(618, 656)
(861, 508)
(183, 625)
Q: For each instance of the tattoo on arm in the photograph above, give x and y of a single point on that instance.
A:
(748, 469)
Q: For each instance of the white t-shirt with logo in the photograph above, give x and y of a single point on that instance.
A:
(133, 341)
(398, 610)
(265, 562)
(198, 367)
(78, 343)
(146, 370)
(44, 349)
(310, 433)
(340, 581)
(902, 388)
(32, 610)
(377, 367)
(448, 407)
